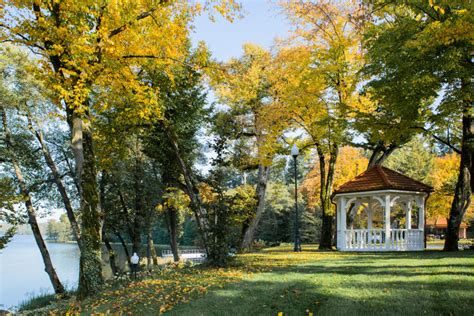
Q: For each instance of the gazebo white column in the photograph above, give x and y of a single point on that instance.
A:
(408, 216)
(421, 213)
(387, 221)
(369, 216)
(338, 224)
(343, 216)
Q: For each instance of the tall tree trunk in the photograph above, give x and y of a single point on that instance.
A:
(151, 252)
(173, 231)
(139, 215)
(191, 187)
(327, 180)
(57, 179)
(136, 239)
(90, 263)
(108, 246)
(131, 229)
(463, 191)
(110, 250)
(125, 249)
(249, 233)
(48, 264)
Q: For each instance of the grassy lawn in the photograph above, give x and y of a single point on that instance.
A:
(324, 283)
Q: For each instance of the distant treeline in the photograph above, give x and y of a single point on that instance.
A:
(23, 229)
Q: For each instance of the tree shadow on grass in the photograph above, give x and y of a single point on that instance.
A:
(417, 255)
(271, 294)
(373, 255)
(347, 283)
(389, 270)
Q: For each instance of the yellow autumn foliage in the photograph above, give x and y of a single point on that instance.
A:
(91, 52)
(351, 162)
(443, 178)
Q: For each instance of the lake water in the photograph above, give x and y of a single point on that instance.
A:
(22, 270)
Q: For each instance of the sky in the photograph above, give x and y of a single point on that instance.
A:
(260, 24)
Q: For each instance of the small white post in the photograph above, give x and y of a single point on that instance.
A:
(387, 221)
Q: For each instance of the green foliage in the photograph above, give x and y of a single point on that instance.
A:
(415, 160)
(243, 202)
(7, 236)
(220, 214)
(277, 224)
(59, 231)
(190, 232)
(418, 51)
(9, 198)
(244, 86)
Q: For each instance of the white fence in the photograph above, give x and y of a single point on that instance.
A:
(375, 240)
(191, 254)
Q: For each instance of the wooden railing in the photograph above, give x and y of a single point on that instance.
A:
(375, 239)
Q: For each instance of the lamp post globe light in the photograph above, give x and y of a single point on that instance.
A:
(295, 152)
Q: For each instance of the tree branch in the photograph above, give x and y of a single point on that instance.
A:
(439, 139)
(364, 146)
(160, 57)
(138, 18)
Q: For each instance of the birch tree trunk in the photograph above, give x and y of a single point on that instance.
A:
(59, 184)
(48, 264)
(191, 188)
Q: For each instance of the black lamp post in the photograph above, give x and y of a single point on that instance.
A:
(295, 152)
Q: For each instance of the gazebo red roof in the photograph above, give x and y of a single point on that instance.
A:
(381, 178)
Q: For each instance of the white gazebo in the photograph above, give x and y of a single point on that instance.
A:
(381, 210)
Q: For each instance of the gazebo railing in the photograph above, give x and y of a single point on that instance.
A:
(375, 239)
